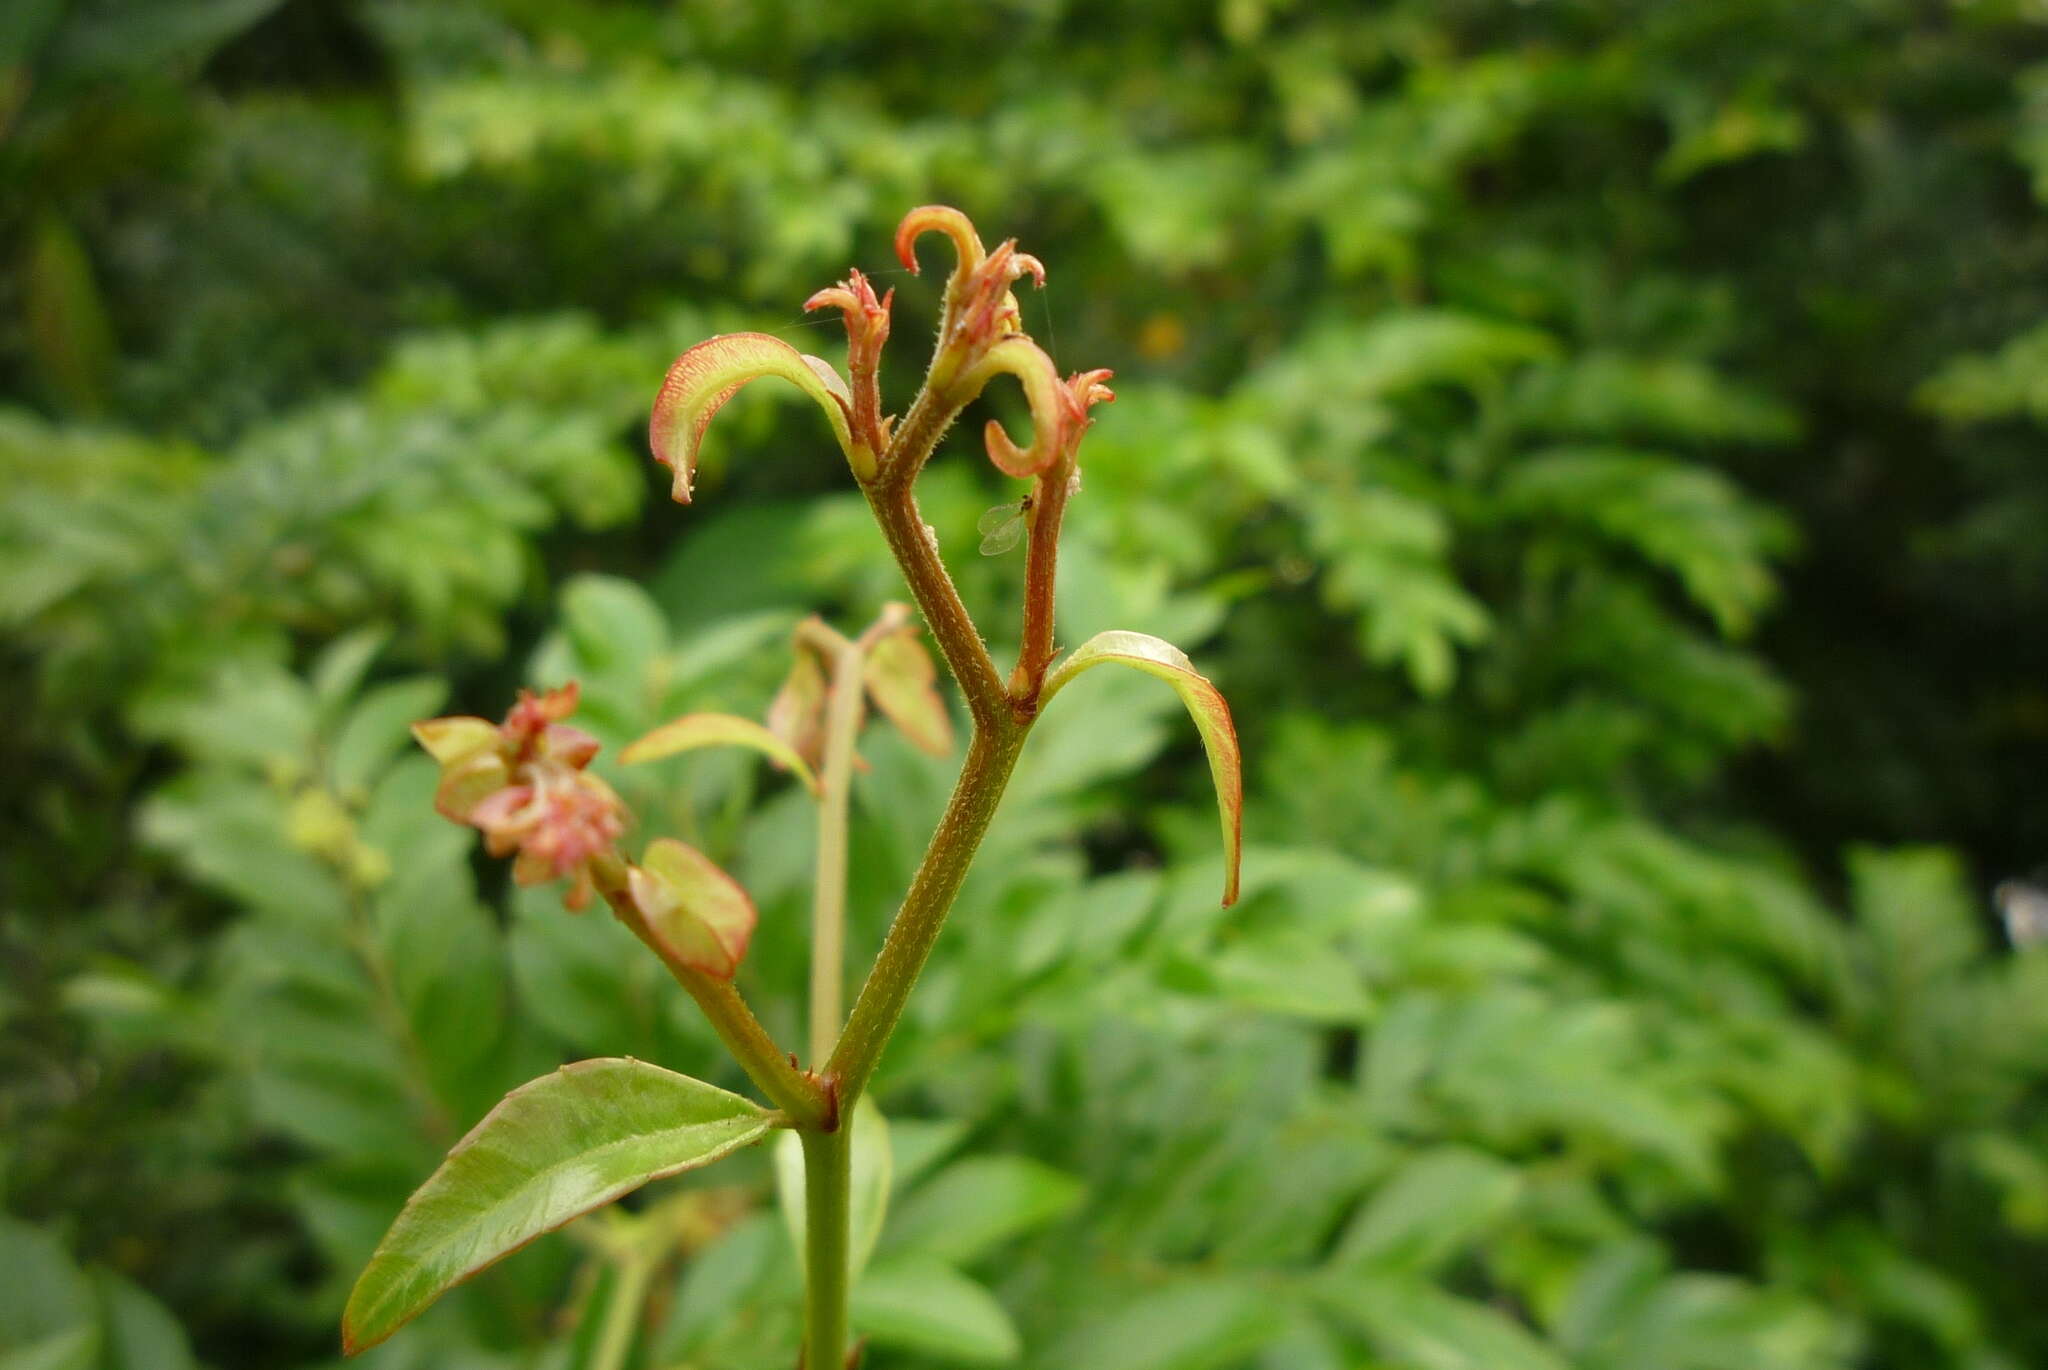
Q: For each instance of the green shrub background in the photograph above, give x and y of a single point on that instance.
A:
(1595, 444)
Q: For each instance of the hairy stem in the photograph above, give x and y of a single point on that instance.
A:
(991, 756)
(843, 715)
(767, 1065)
(828, 1184)
(916, 551)
(1035, 654)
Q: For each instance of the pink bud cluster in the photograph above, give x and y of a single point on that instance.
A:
(524, 785)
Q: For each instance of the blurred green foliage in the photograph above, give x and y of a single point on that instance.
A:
(1596, 445)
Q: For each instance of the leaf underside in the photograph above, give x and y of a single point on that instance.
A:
(1205, 704)
(701, 380)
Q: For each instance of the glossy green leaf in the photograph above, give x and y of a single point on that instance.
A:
(698, 911)
(969, 1208)
(928, 1307)
(1205, 704)
(705, 377)
(901, 680)
(551, 1151)
(872, 1164)
(717, 730)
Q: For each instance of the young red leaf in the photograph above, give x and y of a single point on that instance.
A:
(1205, 704)
(705, 377)
(551, 1151)
(698, 911)
(718, 730)
(900, 679)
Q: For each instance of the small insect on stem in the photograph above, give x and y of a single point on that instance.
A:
(1002, 527)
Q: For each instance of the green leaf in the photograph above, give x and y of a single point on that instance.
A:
(74, 1349)
(445, 957)
(1200, 1324)
(1205, 703)
(718, 1282)
(43, 1295)
(1284, 972)
(1433, 1206)
(972, 1207)
(378, 729)
(918, 1144)
(1416, 1324)
(872, 1163)
(338, 671)
(140, 1333)
(612, 638)
(717, 730)
(69, 337)
(551, 1151)
(705, 377)
(930, 1308)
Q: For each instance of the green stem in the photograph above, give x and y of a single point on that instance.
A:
(828, 893)
(767, 1065)
(991, 756)
(828, 1187)
(622, 1314)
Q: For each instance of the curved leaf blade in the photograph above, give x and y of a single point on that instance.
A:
(701, 380)
(551, 1151)
(718, 730)
(1205, 704)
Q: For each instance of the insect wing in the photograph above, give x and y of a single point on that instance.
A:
(1001, 528)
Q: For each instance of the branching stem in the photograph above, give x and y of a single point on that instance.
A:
(801, 1096)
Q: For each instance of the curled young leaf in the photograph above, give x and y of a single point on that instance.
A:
(551, 1151)
(705, 377)
(718, 730)
(695, 909)
(940, 219)
(1051, 406)
(901, 680)
(1205, 704)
